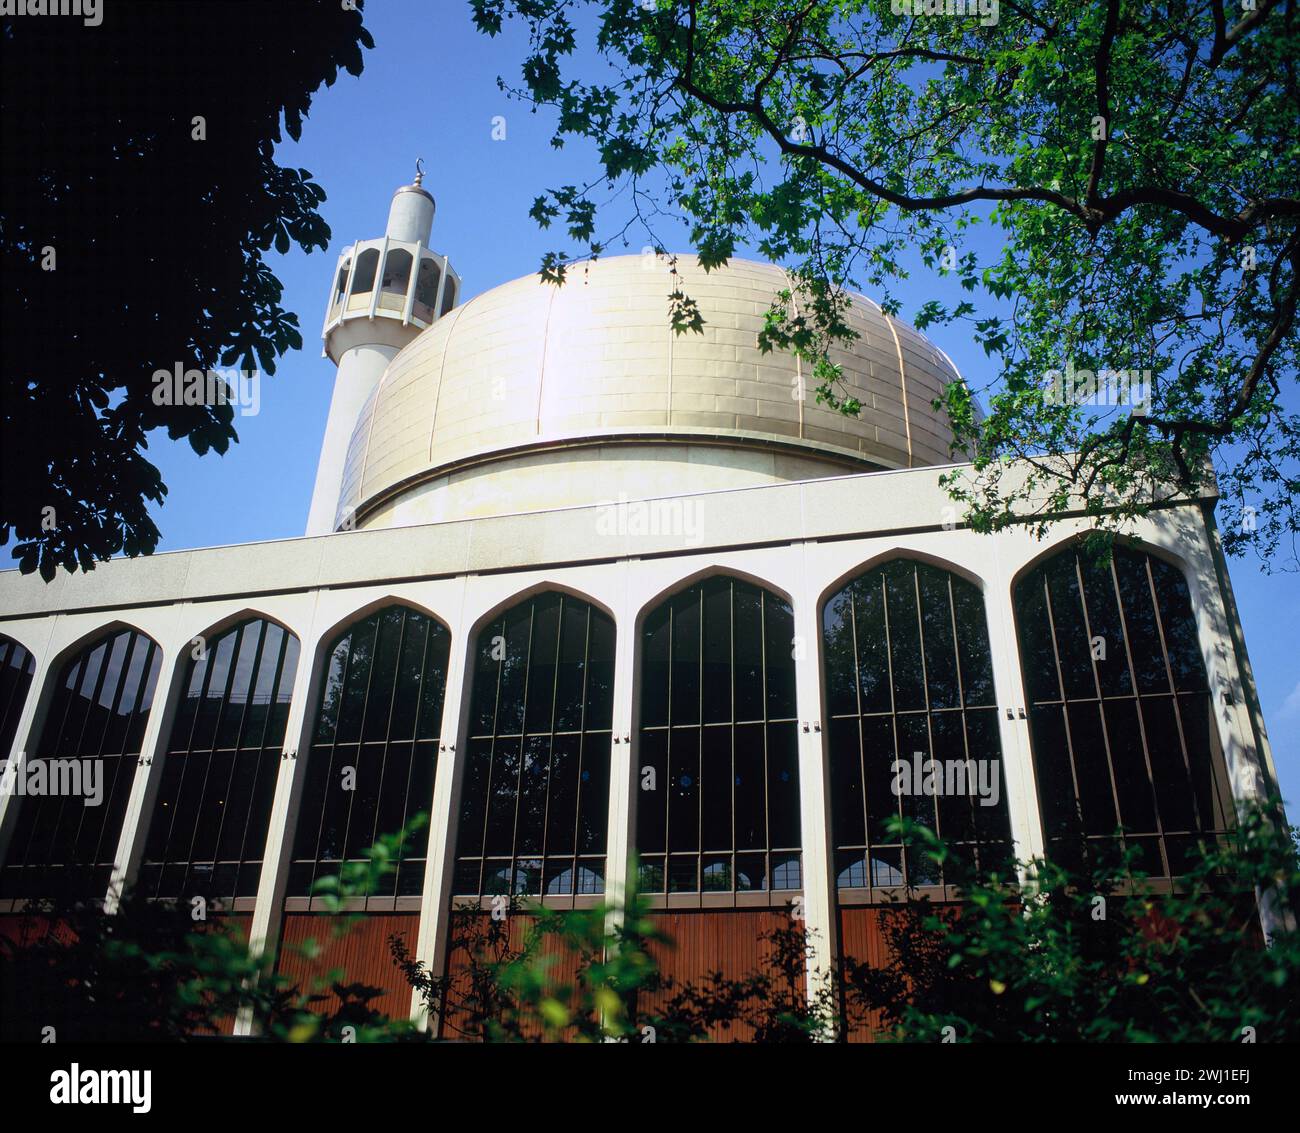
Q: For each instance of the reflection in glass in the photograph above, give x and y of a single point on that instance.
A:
(213, 806)
(374, 749)
(1124, 750)
(909, 678)
(718, 809)
(16, 669)
(64, 844)
(534, 803)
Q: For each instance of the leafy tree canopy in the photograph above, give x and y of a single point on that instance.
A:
(1114, 185)
(134, 238)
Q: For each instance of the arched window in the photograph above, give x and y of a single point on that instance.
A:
(449, 296)
(913, 726)
(367, 266)
(76, 789)
(534, 804)
(397, 271)
(1120, 716)
(374, 747)
(426, 287)
(218, 777)
(16, 669)
(718, 800)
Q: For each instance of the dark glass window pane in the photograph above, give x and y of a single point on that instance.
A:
(571, 677)
(531, 803)
(992, 821)
(872, 642)
(1166, 769)
(473, 799)
(848, 817)
(748, 644)
(1173, 789)
(1093, 774)
(393, 790)
(956, 810)
(1132, 782)
(654, 667)
(533, 775)
(837, 635)
(914, 748)
(972, 643)
(685, 679)
(715, 677)
(1073, 646)
(878, 755)
(385, 684)
(17, 666)
(1209, 777)
(716, 787)
(778, 652)
(921, 632)
(410, 666)
(1182, 642)
(593, 815)
(562, 793)
(60, 846)
(1109, 651)
(652, 793)
(904, 636)
(720, 769)
(503, 797)
(361, 649)
(1140, 614)
(383, 671)
(783, 786)
(751, 795)
(940, 646)
(542, 664)
(514, 671)
(684, 789)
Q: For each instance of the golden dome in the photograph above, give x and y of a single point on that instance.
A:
(531, 395)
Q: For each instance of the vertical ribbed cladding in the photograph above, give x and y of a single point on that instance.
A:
(356, 945)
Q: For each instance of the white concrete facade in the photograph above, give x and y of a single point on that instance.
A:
(802, 540)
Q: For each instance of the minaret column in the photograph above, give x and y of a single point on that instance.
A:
(376, 307)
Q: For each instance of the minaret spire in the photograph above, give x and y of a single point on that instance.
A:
(386, 292)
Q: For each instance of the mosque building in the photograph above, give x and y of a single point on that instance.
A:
(617, 607)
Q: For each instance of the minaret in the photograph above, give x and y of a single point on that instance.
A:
(377, 306)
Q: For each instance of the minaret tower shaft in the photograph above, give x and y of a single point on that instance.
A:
(385, 293)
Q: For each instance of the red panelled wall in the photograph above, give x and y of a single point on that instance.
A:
(356, 945)
(730, 941)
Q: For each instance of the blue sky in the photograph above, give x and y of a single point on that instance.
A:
(429, 89)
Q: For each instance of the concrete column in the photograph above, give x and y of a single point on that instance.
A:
(1013, 722)
(819, 902)
(148, 772)
(268, 908)
(435, 903)
(30, 722)
(1248, 762)
(623, 763)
